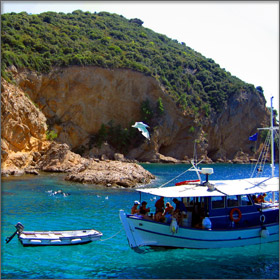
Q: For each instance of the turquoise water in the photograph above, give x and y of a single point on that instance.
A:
(28, 200)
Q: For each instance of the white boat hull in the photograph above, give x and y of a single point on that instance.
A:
(43, 238)
(142, 232)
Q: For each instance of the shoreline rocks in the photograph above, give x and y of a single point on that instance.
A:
(117, 173)
(59, 159)
(112, 173)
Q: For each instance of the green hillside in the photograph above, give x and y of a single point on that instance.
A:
(39, 42)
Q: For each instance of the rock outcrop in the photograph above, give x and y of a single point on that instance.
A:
(23, 130)
(112, 173)
(59, 158)
(25, 149)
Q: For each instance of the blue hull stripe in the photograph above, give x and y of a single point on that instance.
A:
(196, 239)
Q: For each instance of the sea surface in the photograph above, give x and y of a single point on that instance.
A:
(29, 200)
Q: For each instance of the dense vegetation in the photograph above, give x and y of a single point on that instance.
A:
(39, 42)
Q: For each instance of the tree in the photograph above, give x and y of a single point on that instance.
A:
(137, 21)
(259, 89)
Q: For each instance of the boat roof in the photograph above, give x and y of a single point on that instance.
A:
(221, 188)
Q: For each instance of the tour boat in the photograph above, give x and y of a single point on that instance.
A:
(219, 214)
(49, 238)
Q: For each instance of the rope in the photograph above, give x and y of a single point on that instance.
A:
(262, 157)
(112, 236)
(192, 167)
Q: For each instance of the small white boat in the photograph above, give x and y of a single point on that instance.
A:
(50, 238)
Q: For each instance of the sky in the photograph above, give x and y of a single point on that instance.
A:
(240, 36)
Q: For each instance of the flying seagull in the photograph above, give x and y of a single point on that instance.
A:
(142, 127)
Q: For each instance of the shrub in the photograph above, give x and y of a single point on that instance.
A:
(160, 107)
(51, 135)
(191, 129)
(146, 111)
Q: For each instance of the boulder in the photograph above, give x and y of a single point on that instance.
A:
(112, 173)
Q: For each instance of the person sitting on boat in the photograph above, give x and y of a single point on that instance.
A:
(254, 198)
(160, 205)
(168, 211)
(134, 209)
(159, 217)
(143, 211)
(180, 206)
(180, 210)
(261, 198)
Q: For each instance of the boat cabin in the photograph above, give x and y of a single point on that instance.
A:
(228, 211)
(225, 205)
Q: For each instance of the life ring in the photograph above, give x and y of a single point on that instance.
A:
(262, 218)
(186, 182)
(236, 220)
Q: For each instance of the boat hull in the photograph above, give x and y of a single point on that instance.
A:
(142, 232)
(58, 238)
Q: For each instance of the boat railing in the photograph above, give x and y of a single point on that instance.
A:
(265, 205)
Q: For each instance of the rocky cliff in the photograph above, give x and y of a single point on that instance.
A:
(23, 129)
(78, 100)
(25, 149)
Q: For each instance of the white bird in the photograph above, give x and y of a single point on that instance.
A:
(106, 197)
(142, 127)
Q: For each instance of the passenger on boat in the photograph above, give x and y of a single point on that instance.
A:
(180, 210)
(160, 205)
(168, 211)
(159, 217)
(143, 209)
(180, 206)
(261, 198)
(134, 209)
(254, 198)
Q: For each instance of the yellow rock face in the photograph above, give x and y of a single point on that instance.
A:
(23, 128)
(84, 98)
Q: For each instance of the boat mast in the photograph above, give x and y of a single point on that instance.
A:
(272, 143)
(272, 138)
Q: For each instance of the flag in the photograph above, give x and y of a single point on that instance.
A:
(142, 127)
(254, 137)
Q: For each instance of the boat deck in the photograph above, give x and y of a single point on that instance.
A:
(189, 226)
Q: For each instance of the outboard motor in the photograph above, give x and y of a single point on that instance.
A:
(19, 226)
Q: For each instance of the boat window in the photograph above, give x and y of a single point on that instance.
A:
(189, 202)
(217, 202)
(245, 200)
(202, 202)
(232, 201)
